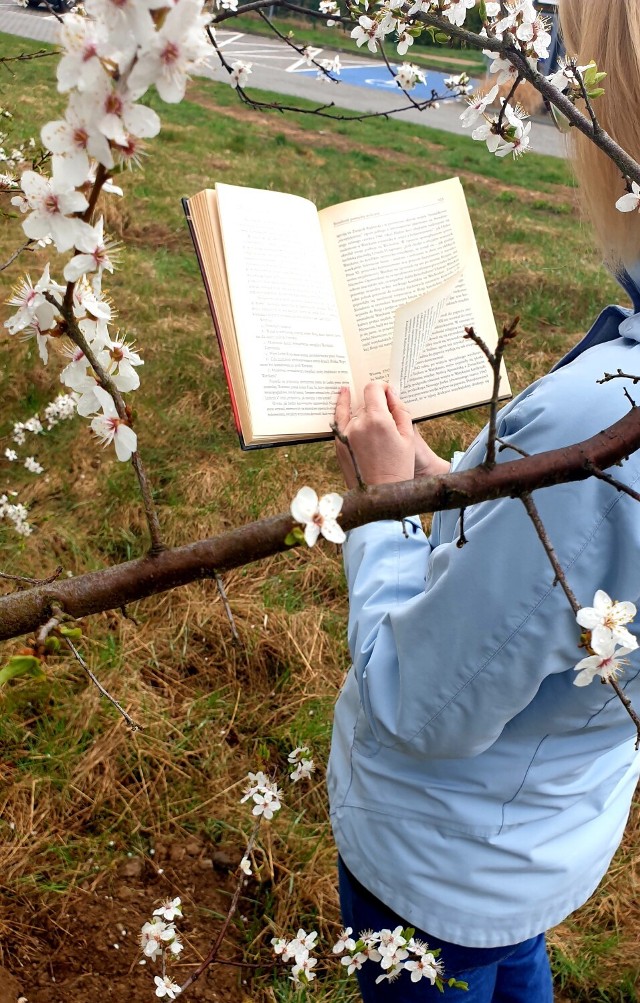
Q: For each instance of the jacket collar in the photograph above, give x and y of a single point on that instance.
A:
(614, 321)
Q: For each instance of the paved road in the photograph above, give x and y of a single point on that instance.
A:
(365, 85)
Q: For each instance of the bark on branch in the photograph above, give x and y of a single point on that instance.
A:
(116, 586)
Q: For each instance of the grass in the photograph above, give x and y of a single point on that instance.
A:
(96, 824)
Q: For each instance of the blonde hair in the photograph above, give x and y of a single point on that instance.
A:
(608, 31)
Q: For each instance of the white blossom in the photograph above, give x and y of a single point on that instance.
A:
(456, 12)
(10, 454)
(318, 516)
(73, 140)
(109, 427)
(409, 75)
(345, 941)
(83, 41)
(607, 664)
(166, 987)
(477, 107)
(240, 73)
(53, 202)
(169, 909)
(94, 254)
(16, 513)
(606, 619)
(174, 51)
(631, 201)
(33, 304)
(33, 466)
(303, 770)
(367, 31)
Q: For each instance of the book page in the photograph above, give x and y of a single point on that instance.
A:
(389, 250)
(434, 368)
(287, 324)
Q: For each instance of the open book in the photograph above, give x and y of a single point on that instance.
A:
(304, 302)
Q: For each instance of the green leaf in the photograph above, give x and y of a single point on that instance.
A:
(482, 11)
(75, 633)
(440, 36)
(597, 92)
(52, 645)
(294, 537)
(21, 665)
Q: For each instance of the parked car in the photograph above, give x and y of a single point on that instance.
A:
(59, 6)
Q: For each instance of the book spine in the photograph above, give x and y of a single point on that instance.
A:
(216, 328)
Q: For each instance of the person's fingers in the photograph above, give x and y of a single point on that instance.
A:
(343, 408)
(399, 412)
(375, 399)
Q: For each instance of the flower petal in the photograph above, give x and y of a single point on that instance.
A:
(305, 505)
(332, 531)
(311, 533)
(330, 505)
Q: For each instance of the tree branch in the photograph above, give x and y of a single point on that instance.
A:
(113, 587)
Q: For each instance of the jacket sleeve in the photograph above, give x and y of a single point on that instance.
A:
(443, 666)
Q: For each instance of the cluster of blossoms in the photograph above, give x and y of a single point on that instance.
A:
(60, 409)
(303, 765)
(160, 939)
(318, 515)
(330, 7)
(298, 950)
(409, 76)
(16, 513)
(111, 55)
(267, 796)
(609, 639)
(395, 951)
(459, 84)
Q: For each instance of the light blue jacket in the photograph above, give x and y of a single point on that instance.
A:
(474, 789)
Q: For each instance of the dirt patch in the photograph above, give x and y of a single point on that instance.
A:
(88, 947)
(155, 235)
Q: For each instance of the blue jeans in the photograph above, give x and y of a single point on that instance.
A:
(518, 973)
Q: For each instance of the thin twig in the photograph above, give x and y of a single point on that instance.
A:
(509, 445)
(16, 254)
(626, 703)
(32, 581)
(105, 380)
(561, 578)
(132, 724)
(515, 85)
(608, 479)
(302, 51)
(587, 100)
(509, 332)
(341, 437)
(24, 56)
(227, 608)
(211, 957)
(619, 375)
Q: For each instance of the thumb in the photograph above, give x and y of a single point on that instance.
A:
(399, 413)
